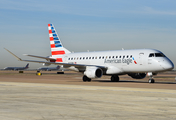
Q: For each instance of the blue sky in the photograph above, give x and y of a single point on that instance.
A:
(86, 25)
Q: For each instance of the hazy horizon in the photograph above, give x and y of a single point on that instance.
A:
(85, 25)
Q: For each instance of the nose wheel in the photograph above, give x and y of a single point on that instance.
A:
(151, 80)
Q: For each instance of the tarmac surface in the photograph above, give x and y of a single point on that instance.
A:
(25, 96)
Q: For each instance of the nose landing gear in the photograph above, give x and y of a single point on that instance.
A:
(151, 80)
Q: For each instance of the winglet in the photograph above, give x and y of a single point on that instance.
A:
(14, 55)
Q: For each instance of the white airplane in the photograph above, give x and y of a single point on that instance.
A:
(136, 63)
(17, 68)
(49, 68)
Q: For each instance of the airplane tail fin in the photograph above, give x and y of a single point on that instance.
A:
(57, 49)
(27, 66)
(58, 67)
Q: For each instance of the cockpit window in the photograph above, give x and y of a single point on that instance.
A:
(156, 55)
(152, 55)
(159, 55)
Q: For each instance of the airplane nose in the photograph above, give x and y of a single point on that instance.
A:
(168, 65)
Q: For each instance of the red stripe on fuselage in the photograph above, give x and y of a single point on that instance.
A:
(57, 60)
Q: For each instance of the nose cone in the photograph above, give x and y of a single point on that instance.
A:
(168, 65)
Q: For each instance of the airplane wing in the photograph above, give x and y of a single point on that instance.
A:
(66, 65)
(46, 58)
(80, 67)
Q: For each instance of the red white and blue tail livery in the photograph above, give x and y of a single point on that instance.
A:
(137, 63)
(57, 49)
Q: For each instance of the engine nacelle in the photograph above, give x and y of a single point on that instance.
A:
(93, 72)
(46, 64)
(137, 75)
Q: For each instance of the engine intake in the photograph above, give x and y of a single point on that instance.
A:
(137, 75)
(93, 72)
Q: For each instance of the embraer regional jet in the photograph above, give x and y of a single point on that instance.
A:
(17, 68)
(49, 68)
(136, 63)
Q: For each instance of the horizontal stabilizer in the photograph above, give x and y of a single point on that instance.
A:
(46, 58)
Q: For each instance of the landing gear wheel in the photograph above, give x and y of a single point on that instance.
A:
(85, 78)
(151, 81)
(114, 78)
(89, 80)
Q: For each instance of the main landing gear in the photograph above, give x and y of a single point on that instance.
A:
(85, 78)
(151, 80)
(114, 78)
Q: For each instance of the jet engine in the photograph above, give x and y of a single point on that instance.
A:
(93, 72)
(46, 64)
(137, 75)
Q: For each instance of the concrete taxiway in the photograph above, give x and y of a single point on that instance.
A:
(29, 101)
(29, 97)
